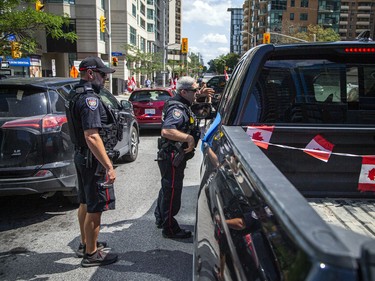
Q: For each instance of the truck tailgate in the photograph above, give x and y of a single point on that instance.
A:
(357, 215)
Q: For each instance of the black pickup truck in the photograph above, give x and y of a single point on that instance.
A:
(288, 173)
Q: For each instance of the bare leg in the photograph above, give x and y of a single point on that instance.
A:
(92, 227)
(82, 211)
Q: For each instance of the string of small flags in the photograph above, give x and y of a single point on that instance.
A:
(319, 148)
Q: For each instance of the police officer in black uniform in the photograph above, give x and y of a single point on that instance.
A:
(179, 137)
(88, 118)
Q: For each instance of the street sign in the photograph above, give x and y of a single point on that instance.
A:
(4, 64)
(116, 54)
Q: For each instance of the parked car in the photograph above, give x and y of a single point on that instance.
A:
(148, 105)
(36, 153)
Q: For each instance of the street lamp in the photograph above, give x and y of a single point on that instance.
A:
(253, 37)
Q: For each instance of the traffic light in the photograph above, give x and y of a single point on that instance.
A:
(184, 46)
(114, 61)
(15, 49)
(38, 6)
(102, 23)
(266, 38)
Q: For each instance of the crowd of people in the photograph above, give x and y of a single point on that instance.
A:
(89, 119)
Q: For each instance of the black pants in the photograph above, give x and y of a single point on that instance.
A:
(169, 200)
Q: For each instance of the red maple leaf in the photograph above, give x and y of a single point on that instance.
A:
(257, 136)
(316, 148)
(371, 174)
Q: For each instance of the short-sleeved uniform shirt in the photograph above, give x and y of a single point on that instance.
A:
(90, 109)
(177, 117)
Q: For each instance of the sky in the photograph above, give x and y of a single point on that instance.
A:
(206, 24)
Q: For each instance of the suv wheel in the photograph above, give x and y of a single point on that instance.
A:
(133, 151)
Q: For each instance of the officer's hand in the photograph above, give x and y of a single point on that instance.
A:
(191, 144)
(111, 175)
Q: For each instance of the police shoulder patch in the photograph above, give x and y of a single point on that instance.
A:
(177, 114)
(92, 103)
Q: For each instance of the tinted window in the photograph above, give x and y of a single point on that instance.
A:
(109, 99)
(57, 102)
(316, 91)
(22, 103)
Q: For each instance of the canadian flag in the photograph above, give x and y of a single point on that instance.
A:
(130, 88)
(319, 148)
(366, 180)
(226, 75)
(260, 135)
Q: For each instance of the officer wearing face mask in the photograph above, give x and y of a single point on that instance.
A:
(89, 119)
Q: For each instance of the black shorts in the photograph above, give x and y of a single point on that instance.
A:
(96, 197)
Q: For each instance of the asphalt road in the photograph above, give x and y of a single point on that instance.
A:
(39, 236)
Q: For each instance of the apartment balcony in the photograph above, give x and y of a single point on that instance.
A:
(364, 8)
(344, 15)
(364, 16)
(343, 30)
(344, 8)
(363, 23)
(343, 22)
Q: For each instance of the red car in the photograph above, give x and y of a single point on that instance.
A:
(148, 105)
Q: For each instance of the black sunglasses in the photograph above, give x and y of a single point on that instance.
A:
(102, 74)
(193, 90)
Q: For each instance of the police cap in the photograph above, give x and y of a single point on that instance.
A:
(94, 63)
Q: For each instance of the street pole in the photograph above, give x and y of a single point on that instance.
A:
(109, 29)
(164, 43)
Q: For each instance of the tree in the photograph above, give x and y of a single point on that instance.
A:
(228, 61)
(19, 21)
(141, 62)
(319, 34)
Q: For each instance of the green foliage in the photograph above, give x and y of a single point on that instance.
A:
(141, 62)
(218, 65)
(321, 34)
(20, 19)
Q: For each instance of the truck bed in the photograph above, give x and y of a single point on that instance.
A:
(357, 215)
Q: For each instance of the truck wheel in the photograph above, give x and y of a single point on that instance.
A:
(133, 151)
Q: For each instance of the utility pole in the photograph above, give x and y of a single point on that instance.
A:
(164, 41)
(109, 29)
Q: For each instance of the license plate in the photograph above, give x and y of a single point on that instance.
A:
(150, 111)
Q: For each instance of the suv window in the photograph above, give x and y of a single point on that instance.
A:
(315, 91)
(22, 103)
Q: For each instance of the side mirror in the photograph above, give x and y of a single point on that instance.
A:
(127, 105)
(202, 110)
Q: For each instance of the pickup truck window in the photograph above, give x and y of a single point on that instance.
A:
(312, 91)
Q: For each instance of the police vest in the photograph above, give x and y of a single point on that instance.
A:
(190, 128)
(111, 133)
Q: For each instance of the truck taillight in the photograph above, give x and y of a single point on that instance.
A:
(48, 123)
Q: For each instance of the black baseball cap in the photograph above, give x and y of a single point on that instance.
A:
(95, 63)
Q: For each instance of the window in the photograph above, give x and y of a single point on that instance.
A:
(292, 3)
(133, 36)
(142, 23)
(143, 44)
(303, 16)
(291, 16)
(143, 9)
(325, 92)
(150, 27)
(134, 10)
(304, 3)
(150, 14)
